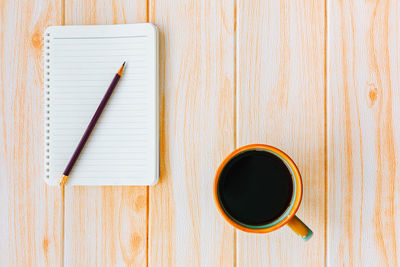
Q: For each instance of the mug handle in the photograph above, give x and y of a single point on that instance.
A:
(300, 228)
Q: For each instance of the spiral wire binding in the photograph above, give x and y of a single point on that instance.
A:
(47, 102)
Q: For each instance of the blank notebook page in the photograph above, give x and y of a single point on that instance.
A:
(80, 63)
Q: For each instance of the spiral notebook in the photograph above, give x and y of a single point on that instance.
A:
(80, 62)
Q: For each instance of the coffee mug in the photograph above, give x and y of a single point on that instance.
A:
(258, 189)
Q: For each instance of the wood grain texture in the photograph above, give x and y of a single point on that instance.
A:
(220, 88)
(197, 131)
(363, 133)
(280, 102)
(30, 211)
(107, 225)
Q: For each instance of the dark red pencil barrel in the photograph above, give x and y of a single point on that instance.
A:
(92, 124)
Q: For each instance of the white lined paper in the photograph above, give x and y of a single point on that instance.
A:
(80, 62)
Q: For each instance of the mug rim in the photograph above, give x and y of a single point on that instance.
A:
(298, 183)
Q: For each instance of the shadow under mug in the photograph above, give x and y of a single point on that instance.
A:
(288, 217)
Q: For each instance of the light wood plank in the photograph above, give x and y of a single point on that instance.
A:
(105, 226)
(197, 131)
(30, 211)
(364, 133)
(280, 102)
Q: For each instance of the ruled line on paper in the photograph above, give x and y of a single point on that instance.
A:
(85, 45)
(93, 104)
(95, 80)
(135, 95)
(100, 37)
(114, 145)
(97, 61)
(97, 56)
(104, 41)
(62, 160)
(97, 86)
(136, 115)
(103, 64)
(120, 48)
(78, 135)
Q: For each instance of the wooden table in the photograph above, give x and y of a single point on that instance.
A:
(319, 80)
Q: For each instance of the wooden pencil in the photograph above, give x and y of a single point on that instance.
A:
(90, 127)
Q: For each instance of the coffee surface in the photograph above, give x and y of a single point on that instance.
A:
(255, 187)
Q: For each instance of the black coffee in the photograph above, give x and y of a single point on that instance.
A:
(255, 187)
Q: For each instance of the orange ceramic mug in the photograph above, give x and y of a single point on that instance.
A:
(287, 216)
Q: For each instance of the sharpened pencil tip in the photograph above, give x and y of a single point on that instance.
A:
(121, 69)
